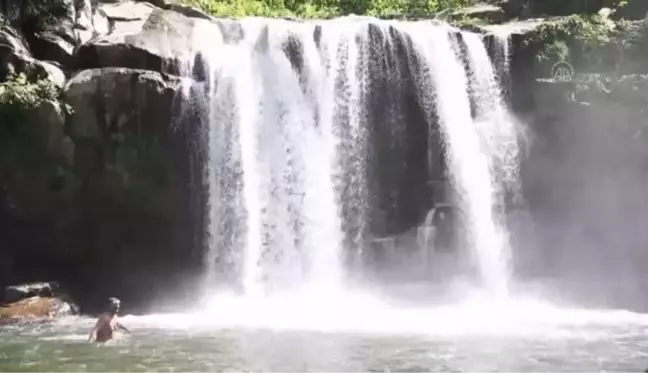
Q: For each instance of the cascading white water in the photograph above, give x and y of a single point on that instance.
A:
(288, 123)
(469, 165)
(482, 150)
(274, 141)
(497, 129)
(503, 43)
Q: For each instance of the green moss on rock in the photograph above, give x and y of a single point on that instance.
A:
(562, 38)
(34, 154)
(320, 9)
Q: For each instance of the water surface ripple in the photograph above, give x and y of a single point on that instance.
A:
(281, 336)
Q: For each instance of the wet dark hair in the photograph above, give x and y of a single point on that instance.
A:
(113, 304)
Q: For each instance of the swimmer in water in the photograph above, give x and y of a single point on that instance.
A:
(108, 323)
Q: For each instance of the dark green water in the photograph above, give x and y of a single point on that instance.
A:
(572, 341)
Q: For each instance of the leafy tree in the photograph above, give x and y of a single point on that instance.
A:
(323, 8)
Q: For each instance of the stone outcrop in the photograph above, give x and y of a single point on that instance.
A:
(17, 293)
(132, 34)
(53, 29)
(37, 307)
(144, 37)
(114, 99)
(633, 10)
(487, 12)
(56, 43)
(124, 117)
(41, 300)
(16, 58)
(588, 46)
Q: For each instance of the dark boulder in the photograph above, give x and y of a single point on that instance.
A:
(633, 10)
(16, 58)
(15, 293)
(485, 12)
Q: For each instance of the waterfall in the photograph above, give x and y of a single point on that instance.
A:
(319, 131)
(497, 131)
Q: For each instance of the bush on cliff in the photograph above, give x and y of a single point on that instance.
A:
(30, 112)
(19, 97)
(323, 8)
(573, 38)
(633, 41)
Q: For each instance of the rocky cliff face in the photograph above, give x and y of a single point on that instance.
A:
(113, 207)
(585, 173)
(586, 165)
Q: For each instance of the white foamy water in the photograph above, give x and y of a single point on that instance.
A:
(497, 131)
(358, 335)
(366, 314)
(274, 134)
(474, 145)
(288, 144)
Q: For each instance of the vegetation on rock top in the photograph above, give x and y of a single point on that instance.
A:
(28, 166)
(19, 100)
(323, 8)
(591, 42)
(19, 96)
(557, 39)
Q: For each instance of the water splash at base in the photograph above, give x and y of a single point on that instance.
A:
(359, 312)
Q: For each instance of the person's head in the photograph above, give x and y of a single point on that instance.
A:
(113, 305)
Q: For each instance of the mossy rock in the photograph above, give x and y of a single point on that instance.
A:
(632, 10)
(480, 14)
(563, 7)
(123, 125)
(559, 38)
(34, 150)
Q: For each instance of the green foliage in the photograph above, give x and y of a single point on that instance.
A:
(323, 8)
(19, 97)
(559, 40)
(19, 92)
(380, 8)
(24, 135)
(19, 136)
(633, 35)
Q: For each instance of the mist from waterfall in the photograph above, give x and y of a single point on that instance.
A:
(291, 141)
